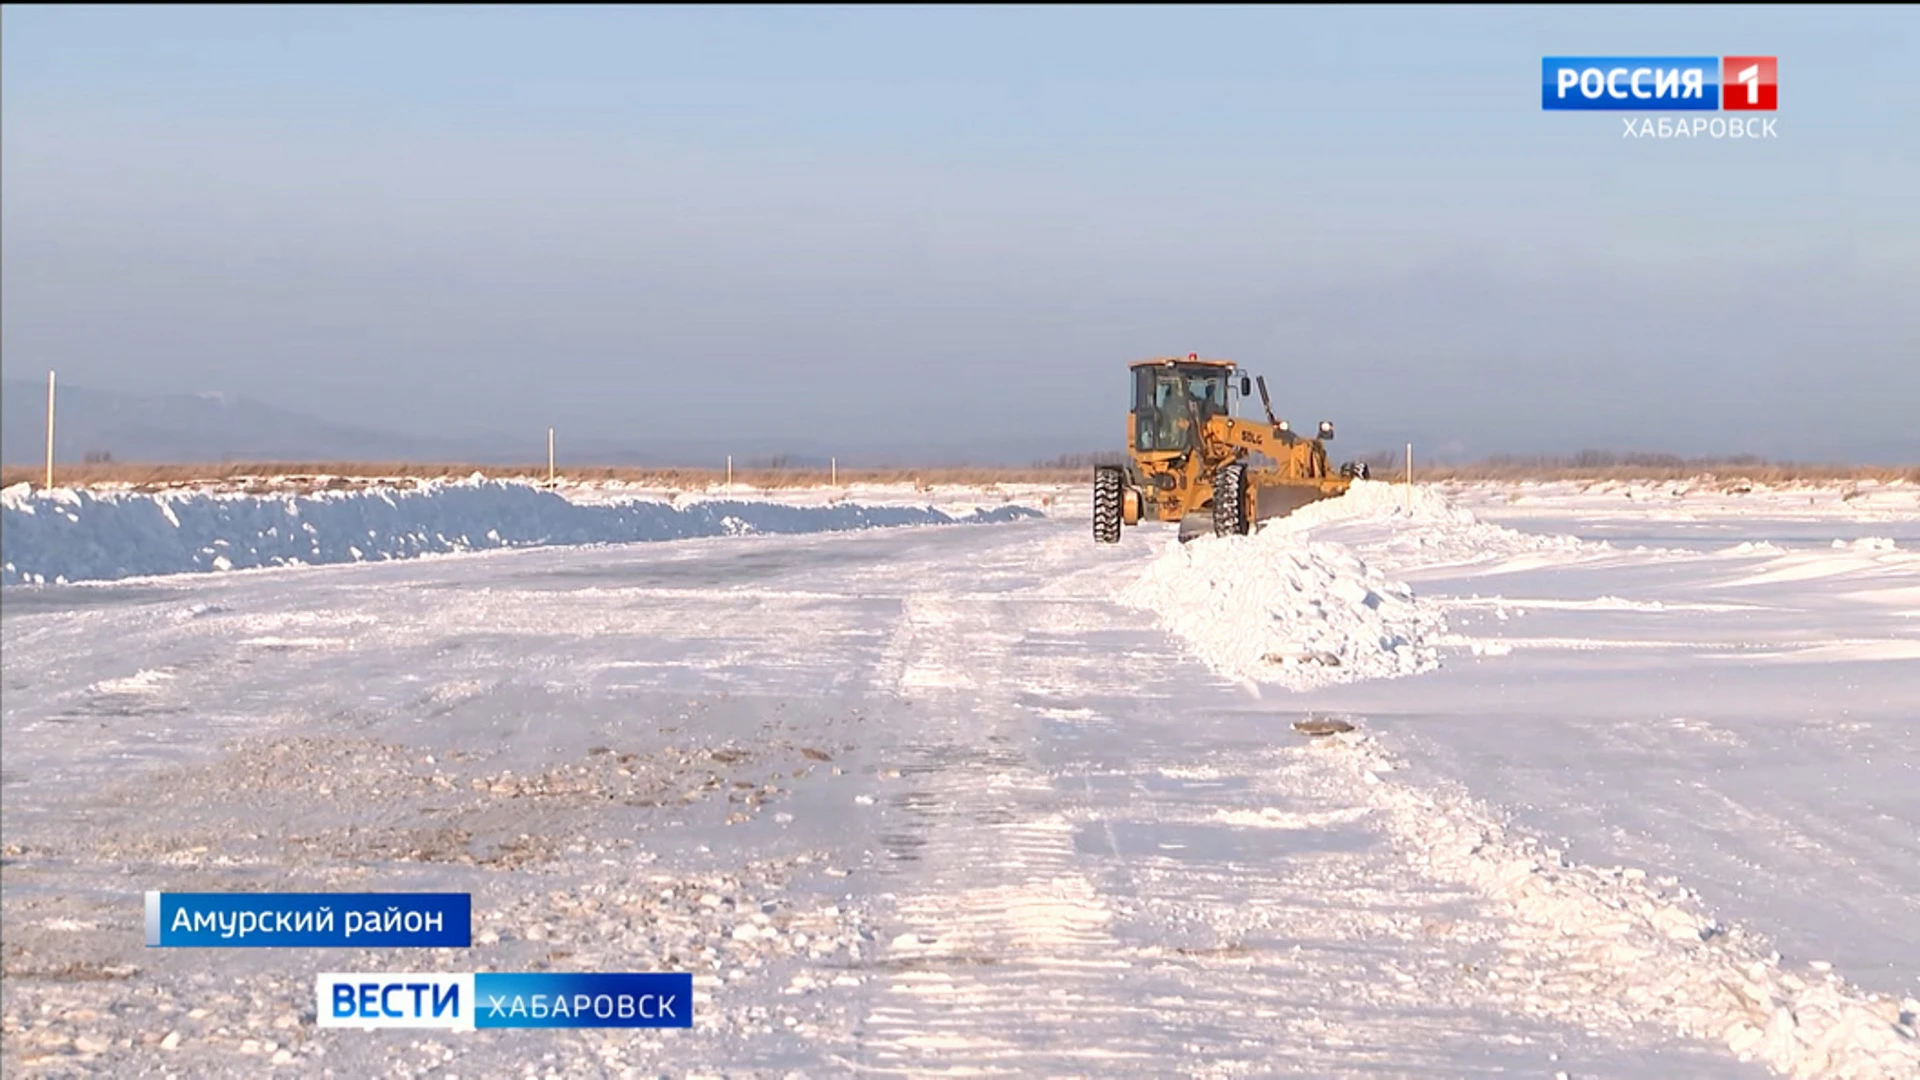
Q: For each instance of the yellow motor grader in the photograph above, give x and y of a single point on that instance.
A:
(1192, 461)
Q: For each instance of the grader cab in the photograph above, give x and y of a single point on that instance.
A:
(1192, 461)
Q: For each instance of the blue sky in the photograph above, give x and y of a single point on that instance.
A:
(859, 226)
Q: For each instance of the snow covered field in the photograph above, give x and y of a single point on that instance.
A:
(1633, 788)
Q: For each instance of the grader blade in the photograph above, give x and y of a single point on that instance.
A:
(1196, 524)
(1278, 500)
(1269, 502)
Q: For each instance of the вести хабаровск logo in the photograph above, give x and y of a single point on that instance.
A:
(1665, 84)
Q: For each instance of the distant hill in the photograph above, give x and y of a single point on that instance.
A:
(200, 428)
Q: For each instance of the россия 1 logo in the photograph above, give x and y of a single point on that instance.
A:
(1660, 83)
(1663, 84)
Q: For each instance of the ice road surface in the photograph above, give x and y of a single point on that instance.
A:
(1624, 796)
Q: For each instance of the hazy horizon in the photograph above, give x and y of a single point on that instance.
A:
(864, 227)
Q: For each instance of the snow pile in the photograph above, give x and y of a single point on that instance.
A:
(68, 535)
(1436, 530)
(1611, 948)
(1276, 607)
(1297, 603)
(1372, 498)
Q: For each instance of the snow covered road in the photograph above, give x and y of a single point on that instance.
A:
(937, 800)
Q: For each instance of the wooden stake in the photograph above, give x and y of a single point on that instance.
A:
(1409, 479)
(49, 429)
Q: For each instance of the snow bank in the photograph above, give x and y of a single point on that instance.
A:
(1371, 498)
(67, 535)
(1435, 531)
(951, 498)
(1276, 607)
(1298, 603)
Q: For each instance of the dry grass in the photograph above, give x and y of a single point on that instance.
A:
(265, 477)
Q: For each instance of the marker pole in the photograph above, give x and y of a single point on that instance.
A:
(49, 429)
(1409, 479)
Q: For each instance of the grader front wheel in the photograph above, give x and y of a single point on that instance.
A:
(1230, 517)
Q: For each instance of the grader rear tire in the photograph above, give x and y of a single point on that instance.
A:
(1109, 489)
(1230, 501)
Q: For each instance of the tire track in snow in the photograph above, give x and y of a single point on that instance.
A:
(1007, 934)
(1146, 905)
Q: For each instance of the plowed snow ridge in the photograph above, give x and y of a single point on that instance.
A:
(67, 535)
(1276, 608)
(1607, 944)
(1279, 607)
